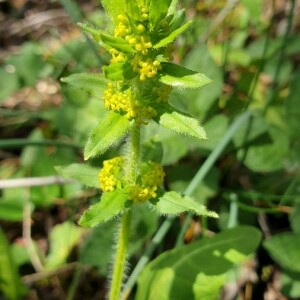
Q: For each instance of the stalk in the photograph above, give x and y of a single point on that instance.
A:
(123, 238)
(120, 260)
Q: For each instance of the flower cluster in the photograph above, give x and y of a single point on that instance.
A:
(146, 69)
(111, 177)
(110, 173)
(144, 61)
(123, 102)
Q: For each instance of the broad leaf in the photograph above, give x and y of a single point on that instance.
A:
(182, 124)
(172, 203)
(284, 249)
(110, 129)
(110, 205)
(181, 77)
(63, 237)
(117, 43)
(158, 10)
(83, 173)
(119, 71)
(173, 274)
(208, 287)
(267, 156)
(114, 8)
(91, 83)
(172, 36)
(10, 281)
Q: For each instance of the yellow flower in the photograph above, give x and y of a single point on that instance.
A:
(112, 177)
(109, 175)
(123, 102)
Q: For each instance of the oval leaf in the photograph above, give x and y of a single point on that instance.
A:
(182, 124)
(63, 237)
(110, 129)
(172, 203)
(173, 274)
(178, 76)
(91, 83)
(83, 173)
(284, 249)
(110, 205)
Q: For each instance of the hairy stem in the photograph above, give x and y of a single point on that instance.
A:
(133, 153)
(123, 238)
(120, 260)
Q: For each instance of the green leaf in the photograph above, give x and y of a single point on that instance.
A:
(172, 203)
(172, 36)
(91, 30)
(114, 8)
(158, 10)
(83, 173)
(110, 205)
(200, 102)
(215, 129)
(207, 287)
(119, 71)
(284, 249)
(294, 217)
(63, 237)
(152, 150)
(110, 129)
(133, 10)
(73, 9)
(10, 282)
(9, 85)
(20, 253)
(173, 274)
(290, 284)
(177, 19)
(182, 124)
(267, 157)
(181, 77)
(94, 84)
(117, 43)
(173, 7)
(11, 209)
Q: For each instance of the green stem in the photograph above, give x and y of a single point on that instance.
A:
(122, 243)
(134, 153)
(120, 260)
(18, 143)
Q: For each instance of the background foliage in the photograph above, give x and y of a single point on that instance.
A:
(247, 170)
